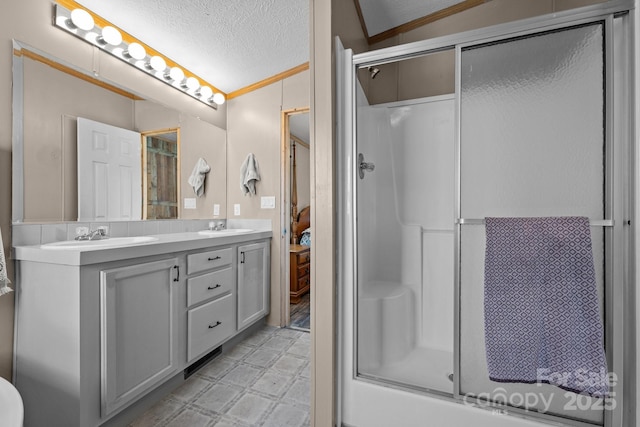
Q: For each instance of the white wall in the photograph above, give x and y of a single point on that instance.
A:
(422, 152)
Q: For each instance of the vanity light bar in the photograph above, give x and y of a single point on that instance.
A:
(80, 23)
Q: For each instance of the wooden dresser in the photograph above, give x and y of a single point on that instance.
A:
(299, 271)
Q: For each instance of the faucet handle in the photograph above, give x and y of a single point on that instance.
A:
(103, 230)
(82, 231)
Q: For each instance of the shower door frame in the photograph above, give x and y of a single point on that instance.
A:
(617, 239)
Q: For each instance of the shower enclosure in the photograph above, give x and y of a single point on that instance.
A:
(537, 124)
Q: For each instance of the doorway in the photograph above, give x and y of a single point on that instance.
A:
(296, 264)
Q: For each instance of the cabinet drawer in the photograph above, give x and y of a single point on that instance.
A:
(207, 260)
(304, 257)
(304, 282)
(209, 285)
(303, 270)
(209, 325)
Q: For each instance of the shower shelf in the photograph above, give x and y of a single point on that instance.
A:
(592, 222)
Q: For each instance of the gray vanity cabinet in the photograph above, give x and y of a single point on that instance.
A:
(97, 331)
(211, 301)
(91, 339)
(137, 330)
(253, 282)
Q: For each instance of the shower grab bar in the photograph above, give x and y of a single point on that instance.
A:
(592, 222)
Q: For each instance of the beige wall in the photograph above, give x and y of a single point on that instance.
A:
(434, 74)
(30, 21)
(253, 126)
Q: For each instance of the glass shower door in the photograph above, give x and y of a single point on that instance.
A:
(532, 144)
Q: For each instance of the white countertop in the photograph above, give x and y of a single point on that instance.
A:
(165, 244)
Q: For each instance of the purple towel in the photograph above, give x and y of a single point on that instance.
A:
(541, 316)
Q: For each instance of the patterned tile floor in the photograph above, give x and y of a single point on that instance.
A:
(262, 381)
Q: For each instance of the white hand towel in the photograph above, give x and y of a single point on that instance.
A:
(249, 175)
(196, 179)
(4, 280)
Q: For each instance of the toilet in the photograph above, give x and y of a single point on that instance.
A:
(11, 408)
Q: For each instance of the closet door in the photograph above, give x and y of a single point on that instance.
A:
(532, 144)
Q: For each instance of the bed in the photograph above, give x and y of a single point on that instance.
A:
(300, 245)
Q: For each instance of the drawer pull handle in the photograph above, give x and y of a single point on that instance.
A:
(214, 287)
(214, 325)
(214, 258)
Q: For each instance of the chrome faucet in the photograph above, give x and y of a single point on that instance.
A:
(216, 226)
(97, 234)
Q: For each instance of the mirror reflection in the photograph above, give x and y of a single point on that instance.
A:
(50, 96)
(160, 160)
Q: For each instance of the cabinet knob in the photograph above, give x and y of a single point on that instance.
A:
(215, 324)
(214, 287)
(214, 258)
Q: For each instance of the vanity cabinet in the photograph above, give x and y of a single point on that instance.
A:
(211, 301)
(98, 330)
(137, 330)
(253, 283)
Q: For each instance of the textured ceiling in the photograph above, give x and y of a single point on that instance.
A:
(230, 44)
(235, 43)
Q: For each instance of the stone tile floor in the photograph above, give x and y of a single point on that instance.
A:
(262, 381)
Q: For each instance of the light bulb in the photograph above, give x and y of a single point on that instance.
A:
(175, 74)
(218, 98)
(136, 51)
(192, 83)
(110, 36)
(205, 92)
(157, 63)
(80, 18)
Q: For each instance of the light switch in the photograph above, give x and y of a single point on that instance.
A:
(268, 202)
(216, 209)
(189, 203)
(236, 209)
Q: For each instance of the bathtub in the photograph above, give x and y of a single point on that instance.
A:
(11, 408)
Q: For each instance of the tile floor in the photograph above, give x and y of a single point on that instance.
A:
(262, 381)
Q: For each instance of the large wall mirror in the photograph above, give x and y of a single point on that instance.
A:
(50, 95)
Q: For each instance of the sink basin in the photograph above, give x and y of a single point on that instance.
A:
(225, 232)
(111, 242)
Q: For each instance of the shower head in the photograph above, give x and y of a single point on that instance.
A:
(374, 71)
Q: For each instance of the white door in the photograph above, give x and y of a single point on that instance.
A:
(109, 172)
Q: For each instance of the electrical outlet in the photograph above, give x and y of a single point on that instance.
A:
(216, 209)
(268, 202)
(189, 203)
(236, 209)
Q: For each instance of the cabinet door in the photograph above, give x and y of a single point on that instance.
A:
(254, 277)
(137, 328)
